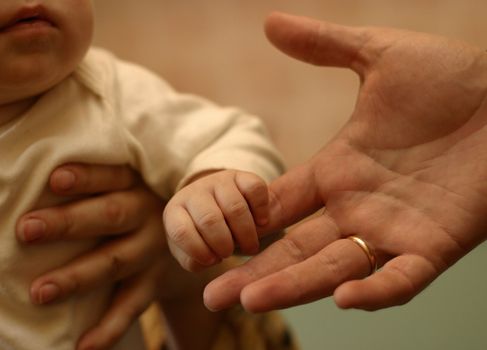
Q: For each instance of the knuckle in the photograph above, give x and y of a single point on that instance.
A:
(250, 182)
(208, 221)
(179, 234)
(73, 282)
(114, 212)
(332, 263)
(116, 265)
(68, 223)
(256, 188)
(238, 209)
(407, 290)
(300, 290)
(291, 248)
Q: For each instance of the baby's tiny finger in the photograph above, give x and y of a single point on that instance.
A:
(211, 225)
(255, 191)
(302, 242)
(186, 261)
(238, 217)
(184, 240)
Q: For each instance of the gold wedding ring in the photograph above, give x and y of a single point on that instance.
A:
(367, 250)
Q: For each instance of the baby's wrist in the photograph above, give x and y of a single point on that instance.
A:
(199, 175)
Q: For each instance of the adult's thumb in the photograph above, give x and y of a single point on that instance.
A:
(317, 42)
(293, 196)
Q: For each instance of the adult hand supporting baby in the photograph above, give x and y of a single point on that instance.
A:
(124, 212)
(407, 174)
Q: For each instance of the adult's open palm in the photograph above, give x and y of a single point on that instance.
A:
(407, 174)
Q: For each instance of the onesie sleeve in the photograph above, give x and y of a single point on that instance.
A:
(173, 136)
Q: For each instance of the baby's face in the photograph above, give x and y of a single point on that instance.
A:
(41, 42)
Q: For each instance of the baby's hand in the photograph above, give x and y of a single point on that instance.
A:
(204, 218)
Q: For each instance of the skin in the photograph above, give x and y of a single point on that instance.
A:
(203, 219)
(134, 261)
(406, 174)
(35, 58)
(136, 256)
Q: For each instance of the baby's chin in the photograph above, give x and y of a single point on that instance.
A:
(27, 79)
(25, 91)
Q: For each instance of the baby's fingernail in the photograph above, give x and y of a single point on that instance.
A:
(63, 179)
(32, 230)
(47, 293)
(213, 260)
(210, 261)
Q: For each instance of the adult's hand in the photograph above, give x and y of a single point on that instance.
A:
(115, 206)
(407, 174)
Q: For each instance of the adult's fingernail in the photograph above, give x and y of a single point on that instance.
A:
(32, 230)
(63, 179)
(47, 293)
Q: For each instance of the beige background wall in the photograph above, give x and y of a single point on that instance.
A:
(217, 49)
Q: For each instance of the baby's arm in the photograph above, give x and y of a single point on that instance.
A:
(206, 218)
